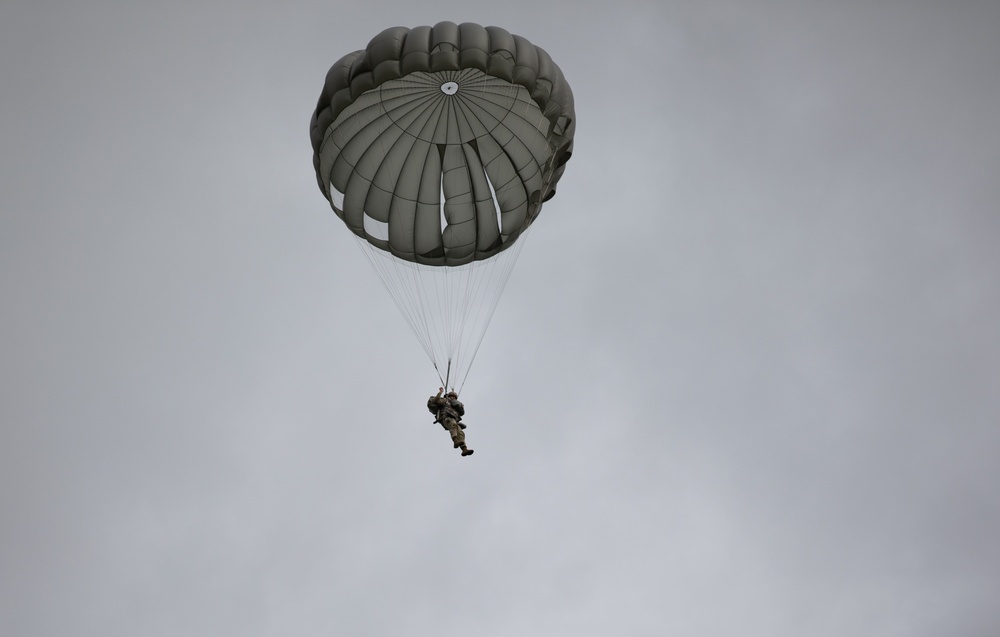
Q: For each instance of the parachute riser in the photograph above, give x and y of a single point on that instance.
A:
(446, 379)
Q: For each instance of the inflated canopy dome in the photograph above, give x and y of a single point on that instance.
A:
(440, 144)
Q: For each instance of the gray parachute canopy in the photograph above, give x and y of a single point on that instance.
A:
(440, 144)
(437, 146)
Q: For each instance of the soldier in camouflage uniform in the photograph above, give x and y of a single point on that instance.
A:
(448, 411)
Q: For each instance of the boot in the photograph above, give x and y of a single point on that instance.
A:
(458, 444)
(466, 451)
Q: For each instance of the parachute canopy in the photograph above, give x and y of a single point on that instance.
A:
(436, 146)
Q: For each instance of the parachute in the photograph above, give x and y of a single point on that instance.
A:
(437, 146)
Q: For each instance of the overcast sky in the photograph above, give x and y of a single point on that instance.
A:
(745, 379)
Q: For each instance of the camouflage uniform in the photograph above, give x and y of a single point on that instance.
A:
(449, 411)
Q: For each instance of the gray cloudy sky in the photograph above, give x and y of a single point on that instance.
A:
(744, 381)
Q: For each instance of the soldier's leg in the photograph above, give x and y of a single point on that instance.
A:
(457, 435)
(460, 442)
